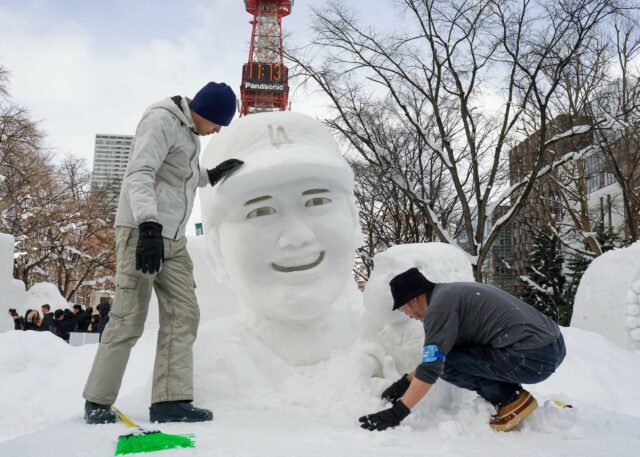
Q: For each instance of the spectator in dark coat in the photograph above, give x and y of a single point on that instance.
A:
(77, 311)
(103, 309)
(83, 318)
(61, 325)
(47, 318)
(70, 315)
(18, 321)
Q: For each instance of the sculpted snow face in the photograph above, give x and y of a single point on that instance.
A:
(283, 228)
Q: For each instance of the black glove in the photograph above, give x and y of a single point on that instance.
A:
(150, 248)
(385, 418)
(223, 169)
(395, 391)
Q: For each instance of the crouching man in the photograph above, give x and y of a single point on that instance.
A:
(476, 337)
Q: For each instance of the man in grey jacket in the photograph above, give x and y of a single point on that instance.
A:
(477, 337)
(156, 199)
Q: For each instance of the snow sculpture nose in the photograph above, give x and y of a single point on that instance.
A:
(296, 233)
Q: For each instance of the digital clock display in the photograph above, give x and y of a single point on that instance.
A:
(269, 77)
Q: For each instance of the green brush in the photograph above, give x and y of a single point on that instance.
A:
(148, 441)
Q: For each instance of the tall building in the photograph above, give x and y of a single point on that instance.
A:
(110, 159)
(534, 215)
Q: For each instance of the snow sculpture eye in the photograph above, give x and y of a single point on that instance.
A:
(262, 211)
(317, 202)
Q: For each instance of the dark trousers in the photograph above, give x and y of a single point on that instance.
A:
(497, 374)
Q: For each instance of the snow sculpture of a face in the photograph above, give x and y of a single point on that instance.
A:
(283, 228)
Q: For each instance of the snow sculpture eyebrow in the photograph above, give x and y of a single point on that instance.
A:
(257, 199)
(315, 191)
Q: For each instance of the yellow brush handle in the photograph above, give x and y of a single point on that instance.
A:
(561, 404)
(124, 418)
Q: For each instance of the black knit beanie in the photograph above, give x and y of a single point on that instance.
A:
(409, 285)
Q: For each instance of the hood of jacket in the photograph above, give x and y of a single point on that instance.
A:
(163, 170)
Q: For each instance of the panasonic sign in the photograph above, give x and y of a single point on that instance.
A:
(264, 86)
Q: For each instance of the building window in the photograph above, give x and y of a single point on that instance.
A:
(595, 173)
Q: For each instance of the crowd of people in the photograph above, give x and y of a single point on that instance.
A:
(62, 322)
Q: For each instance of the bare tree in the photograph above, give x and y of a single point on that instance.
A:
(62, 231)
(601, 88)
(4, 79)
(435, 78)
(85, 244)
(618, 108)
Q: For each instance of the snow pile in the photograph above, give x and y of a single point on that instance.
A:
(12, 294)
(44, 292)
(42, 378)
(608, 297)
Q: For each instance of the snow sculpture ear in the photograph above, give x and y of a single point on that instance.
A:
(217, 262)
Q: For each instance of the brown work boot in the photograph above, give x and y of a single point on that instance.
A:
(511, 414)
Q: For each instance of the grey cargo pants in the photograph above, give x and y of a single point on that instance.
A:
(179, 318)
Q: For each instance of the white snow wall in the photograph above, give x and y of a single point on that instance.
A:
(608, 297)
(12, 291)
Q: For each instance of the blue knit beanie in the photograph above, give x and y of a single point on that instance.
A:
(216, 102)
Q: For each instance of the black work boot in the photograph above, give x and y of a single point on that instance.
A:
(95, 413)
(178, 411)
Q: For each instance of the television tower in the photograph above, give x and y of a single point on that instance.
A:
(265, 85)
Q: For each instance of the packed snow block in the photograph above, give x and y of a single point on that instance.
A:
(401, 336)
(82, 338)
(12, 290)
(608, 297)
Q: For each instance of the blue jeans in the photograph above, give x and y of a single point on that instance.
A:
(497, 374)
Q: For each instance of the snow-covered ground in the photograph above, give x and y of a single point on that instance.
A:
(266, 407)
(314, 411)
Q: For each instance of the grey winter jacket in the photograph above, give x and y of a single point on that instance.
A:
(467, 314)
(163, 173)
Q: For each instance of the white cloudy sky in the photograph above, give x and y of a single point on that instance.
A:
(86, 67)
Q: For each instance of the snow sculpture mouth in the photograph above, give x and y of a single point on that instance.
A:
(303, 267)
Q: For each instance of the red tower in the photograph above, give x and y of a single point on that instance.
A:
(265, 85)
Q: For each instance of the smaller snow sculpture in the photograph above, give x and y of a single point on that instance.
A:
(608, 297)
(45, 292)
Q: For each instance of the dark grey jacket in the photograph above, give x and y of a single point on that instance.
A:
(163, 172)
(464, 314)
